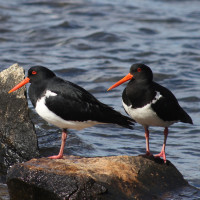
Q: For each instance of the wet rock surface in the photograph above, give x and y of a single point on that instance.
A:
(18, 141)
(115, 177)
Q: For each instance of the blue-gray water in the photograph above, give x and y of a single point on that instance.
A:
(93, 43)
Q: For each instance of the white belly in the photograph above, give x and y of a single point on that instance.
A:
(146, 116)
(54, 119)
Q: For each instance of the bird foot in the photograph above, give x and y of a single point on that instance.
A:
(161, 154)
(59, 156)
(148, 153)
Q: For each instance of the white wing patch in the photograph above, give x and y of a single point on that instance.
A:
(49, 93)
(157, 97)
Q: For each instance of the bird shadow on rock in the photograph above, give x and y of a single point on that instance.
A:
(156, 159)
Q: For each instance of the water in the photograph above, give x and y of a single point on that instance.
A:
(93, 43)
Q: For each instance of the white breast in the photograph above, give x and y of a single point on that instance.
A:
(146, 115)
(54, 119)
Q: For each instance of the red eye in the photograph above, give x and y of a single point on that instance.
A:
(34, 72)
(139, 69)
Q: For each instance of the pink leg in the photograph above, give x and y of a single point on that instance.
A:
(147, 141)
(162, 153)
(64, 137)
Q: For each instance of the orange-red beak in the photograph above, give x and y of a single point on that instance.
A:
(25, 81)
(126, 78)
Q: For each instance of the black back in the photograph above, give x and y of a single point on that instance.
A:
(72, 102)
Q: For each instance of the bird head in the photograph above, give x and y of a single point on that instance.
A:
(138, 72)
(35, 74)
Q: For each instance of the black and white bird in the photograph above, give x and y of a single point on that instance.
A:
(67, 105)
(150, 104)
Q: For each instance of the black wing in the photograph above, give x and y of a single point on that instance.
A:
(168, 108)
(74, 103)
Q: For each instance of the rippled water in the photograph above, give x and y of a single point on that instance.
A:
(93, 43)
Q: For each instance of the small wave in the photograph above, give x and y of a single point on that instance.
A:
(160, 20)
(148, 31)
(104, 37)
(70, 72)
(66, 24)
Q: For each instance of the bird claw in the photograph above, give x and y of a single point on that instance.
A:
(56, 157)
(148, 153)
(161, 154)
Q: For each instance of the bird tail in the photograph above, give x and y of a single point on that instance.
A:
(124, 121)
(116, 117)
(186, 118)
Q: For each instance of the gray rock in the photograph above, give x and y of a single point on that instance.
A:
(105, 178)
(18, 140)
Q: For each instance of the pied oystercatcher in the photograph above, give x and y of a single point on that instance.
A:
(67, 105)
(150, 104)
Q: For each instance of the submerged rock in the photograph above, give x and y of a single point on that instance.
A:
(106, 178)
(18, 141)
